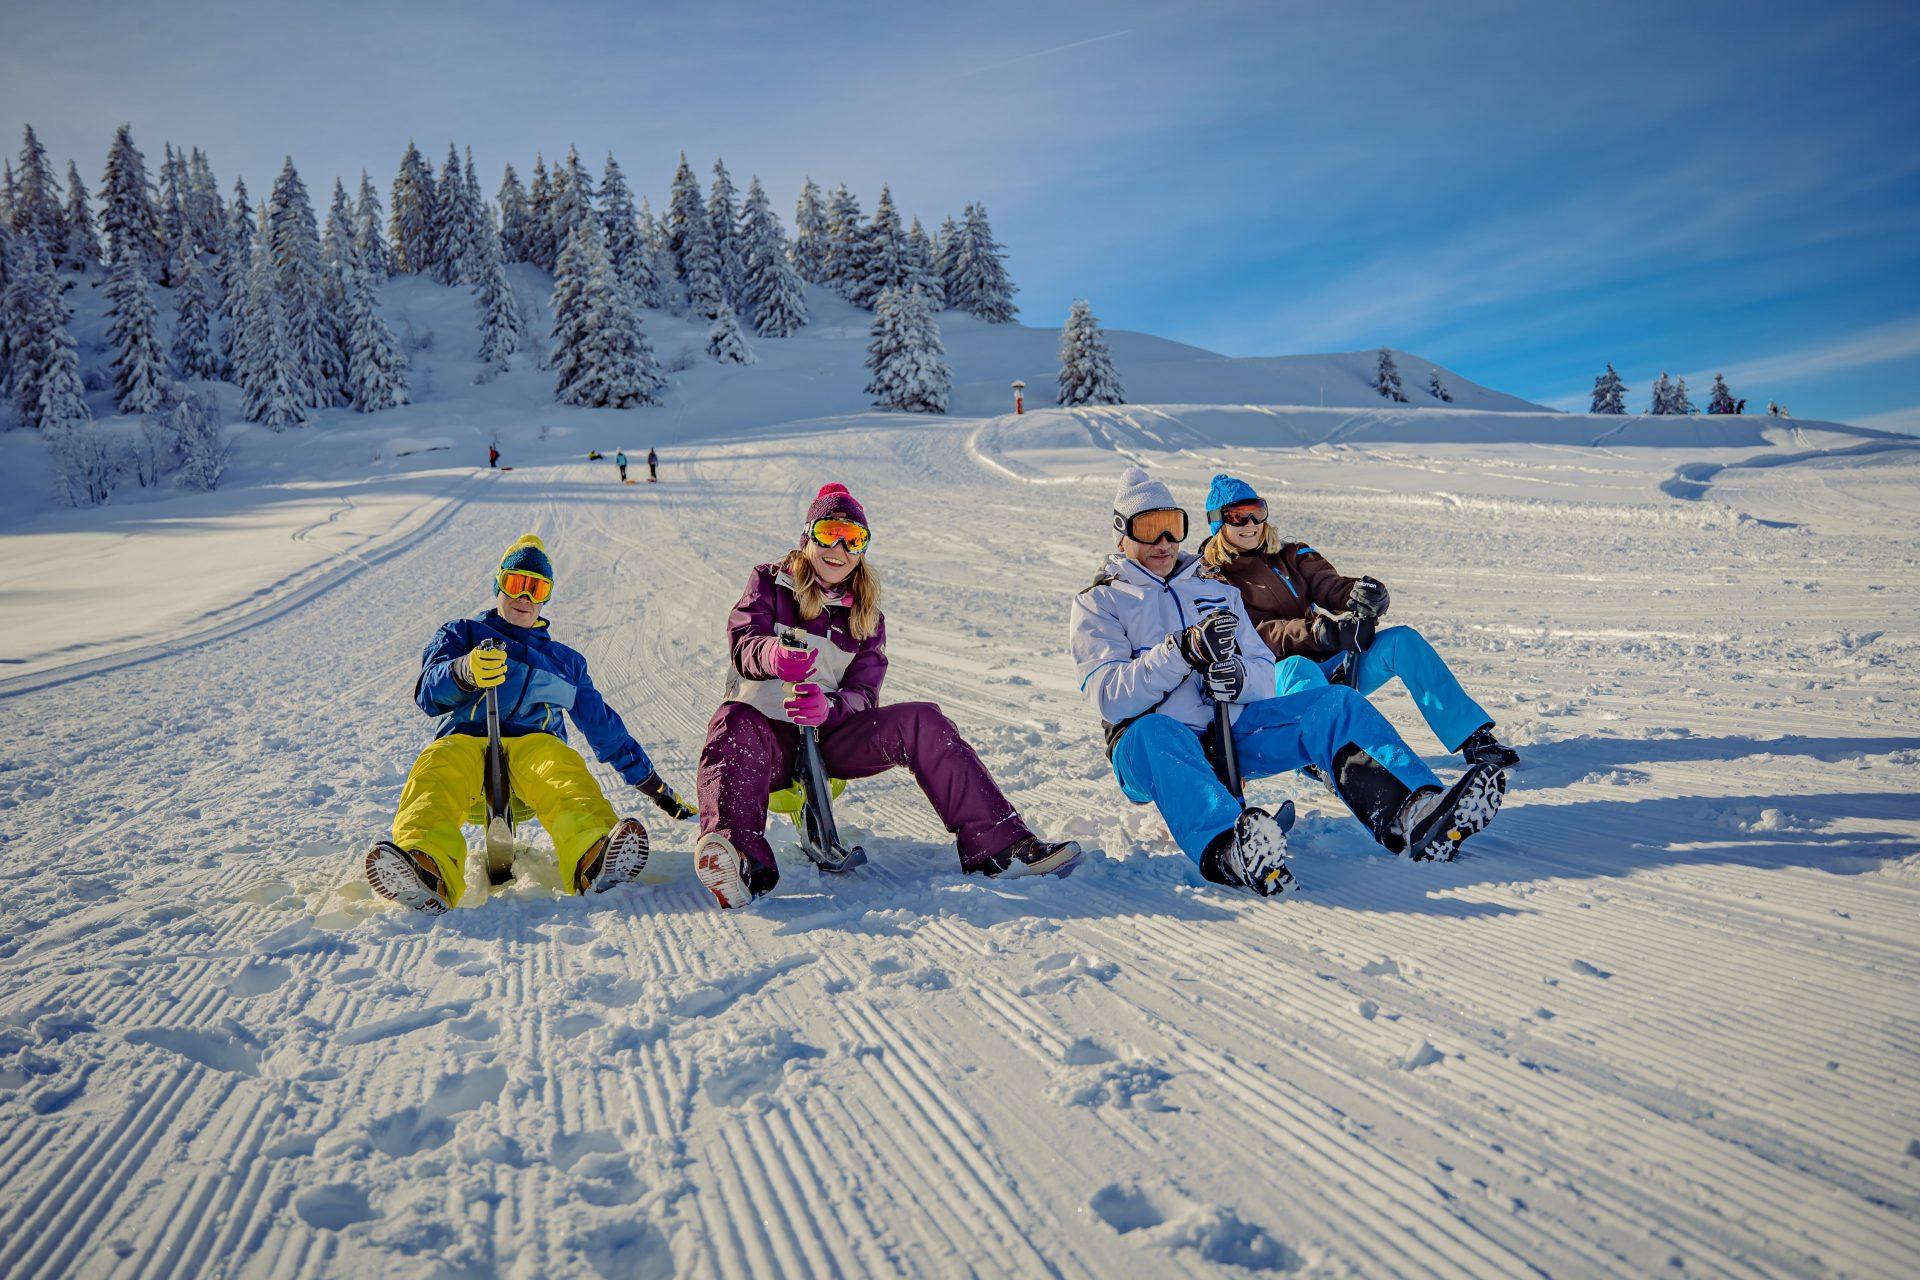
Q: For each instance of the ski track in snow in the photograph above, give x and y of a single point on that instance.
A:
(1664, 1018)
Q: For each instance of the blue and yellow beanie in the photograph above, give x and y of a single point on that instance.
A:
(527, 555)
(1223, 493)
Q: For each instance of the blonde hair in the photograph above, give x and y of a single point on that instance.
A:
(1217, 551)
(863, 584)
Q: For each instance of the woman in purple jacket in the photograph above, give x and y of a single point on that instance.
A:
(825, 595)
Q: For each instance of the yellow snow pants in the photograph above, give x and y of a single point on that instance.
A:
(448, 782)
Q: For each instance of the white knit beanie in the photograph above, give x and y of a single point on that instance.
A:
(1140, 492)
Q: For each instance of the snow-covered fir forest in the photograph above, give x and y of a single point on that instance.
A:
(205, 286)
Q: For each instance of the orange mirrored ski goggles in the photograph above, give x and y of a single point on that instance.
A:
(1159, 525)
(526, 586)
(832, 529)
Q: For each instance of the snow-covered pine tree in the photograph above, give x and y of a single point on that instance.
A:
(8, 318)
(600, 357)
(946, 259)
(514, 213)
(572, 198)
(696, 260)
(883, 262)
(905, 355)
(501, 325)
(1681, 403)
(414, 214)
(451, 235)
(1721, 398)
(653, 231)
(1777, 410)
(726, 344)
(127, 214)
(920, 272)
(809, 252)
(772, 299)
(844, 234)
(1437, 387)
(542, 252)
(139, 370)
(6, 196)
(43, 364)
(194, 355)
(200, 437)
(315, 364)
(723, 215)
(376, 372)
(82, 247)
(1609, 393)
(1087, 375)
(206, 213)
(272, 392)
(631, 258)
(338, 251)
(173, 210)
(36, 198)
(980, 272)
(1662, 395)
(1386, 378)
(369, 241)
(236, 265)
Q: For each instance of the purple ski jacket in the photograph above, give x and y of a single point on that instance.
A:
(850, 671)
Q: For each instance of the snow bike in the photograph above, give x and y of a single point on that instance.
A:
(499, 788)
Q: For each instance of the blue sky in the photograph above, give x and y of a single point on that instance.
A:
(1520, 191)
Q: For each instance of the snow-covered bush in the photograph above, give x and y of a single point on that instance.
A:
(84, 468)
(726, 344)
(199, 439)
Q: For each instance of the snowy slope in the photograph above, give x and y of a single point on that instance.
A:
(1662, 1020)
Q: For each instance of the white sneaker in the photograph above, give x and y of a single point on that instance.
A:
(620, 856)
(723, 869)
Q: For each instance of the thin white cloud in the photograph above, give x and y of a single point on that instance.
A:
(1907, 419)
(1042, 53)
(1895, 340)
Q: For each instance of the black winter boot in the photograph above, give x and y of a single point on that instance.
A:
(1372, 792)
(1481, 747)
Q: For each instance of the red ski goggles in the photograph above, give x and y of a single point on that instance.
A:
(1159, 525)
(833, 529)
(525, 586)
(1241, 513)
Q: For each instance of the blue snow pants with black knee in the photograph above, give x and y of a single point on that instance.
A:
(1402, 652)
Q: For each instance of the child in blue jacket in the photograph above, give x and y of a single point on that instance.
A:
(539, 682)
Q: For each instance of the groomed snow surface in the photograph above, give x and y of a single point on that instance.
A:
(1662, 1020)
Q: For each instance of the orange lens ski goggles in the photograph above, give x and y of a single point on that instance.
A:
(1159, 525)
(831, 530)
(526, 586)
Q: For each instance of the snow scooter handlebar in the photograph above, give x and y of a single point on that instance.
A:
(821, 838)
(499, 789)
(1226, 753)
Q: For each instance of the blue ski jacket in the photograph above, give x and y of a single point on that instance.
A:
(546, 682)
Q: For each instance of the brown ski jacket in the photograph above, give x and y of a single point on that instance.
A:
(1280, 590)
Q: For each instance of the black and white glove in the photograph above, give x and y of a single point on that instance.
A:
(1211, 639)
(1345, 634)
(1368, 598)
(655, 788)
(1226, 679)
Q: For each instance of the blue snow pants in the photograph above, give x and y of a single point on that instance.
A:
(1402, 652)
(1161, 760)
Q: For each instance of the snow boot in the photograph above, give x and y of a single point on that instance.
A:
(615, 858)
(1253, 853)
(1435, 824)
(1481, 747)
(730, 876)
(1370, 790)
(1032, 856)
(406, 877)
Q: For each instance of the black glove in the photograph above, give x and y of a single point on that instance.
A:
(1211, 639)
(1368, 598)
(655, 789)
(1345, 634)
(1226, 680)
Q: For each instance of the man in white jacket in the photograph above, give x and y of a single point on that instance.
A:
(1157, 645)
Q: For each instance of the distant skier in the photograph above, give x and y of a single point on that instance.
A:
(828, 592)
(620, 461)
(540, 681)
(1157, 647)
(493, 455)
(653, 467)
(1281, 583)
(594, 455)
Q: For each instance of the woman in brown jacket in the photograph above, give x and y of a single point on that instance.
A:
(1323, 627)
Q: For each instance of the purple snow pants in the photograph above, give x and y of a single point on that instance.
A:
(747, 757)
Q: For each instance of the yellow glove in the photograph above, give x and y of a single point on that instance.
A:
(483, 668)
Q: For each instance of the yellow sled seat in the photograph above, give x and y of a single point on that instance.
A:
(792, 798)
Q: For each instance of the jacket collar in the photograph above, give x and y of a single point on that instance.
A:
(1121, 567)
(492, 618)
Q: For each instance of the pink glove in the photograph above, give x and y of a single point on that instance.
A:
(793, 665)
(808, 706)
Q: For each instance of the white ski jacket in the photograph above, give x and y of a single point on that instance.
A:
(1124, 638)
